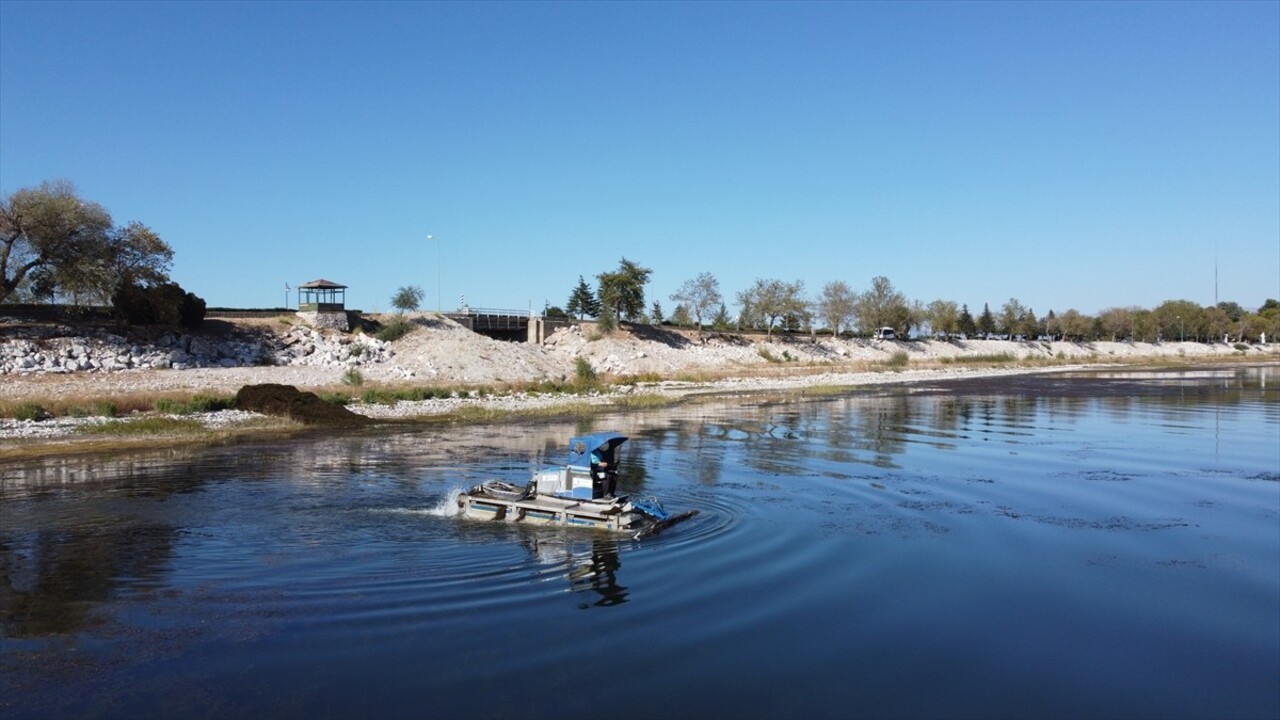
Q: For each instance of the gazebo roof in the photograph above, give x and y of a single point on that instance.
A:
(322, 284)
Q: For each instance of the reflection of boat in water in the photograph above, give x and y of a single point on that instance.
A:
(579, 493)
(590, 562)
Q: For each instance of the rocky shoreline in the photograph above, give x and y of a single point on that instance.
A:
(41, 363)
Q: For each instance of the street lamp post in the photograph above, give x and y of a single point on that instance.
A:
(1183, 327)
(437, 273)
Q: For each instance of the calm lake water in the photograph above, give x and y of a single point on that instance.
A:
(1106, 545)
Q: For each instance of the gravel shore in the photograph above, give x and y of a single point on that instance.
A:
(440, 352)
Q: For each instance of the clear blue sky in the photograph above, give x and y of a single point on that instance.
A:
(1073, 154)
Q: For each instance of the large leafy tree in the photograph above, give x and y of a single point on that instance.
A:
(1010, 315)
(768, 301)
(699, 296)
(51, 232)
(836, 306)
(622, 291)
(1179, 319)
(583, 302)
(883, 306)
(1117, 322)
(944, 317)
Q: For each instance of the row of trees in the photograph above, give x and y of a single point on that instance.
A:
(56, 246)
(771, 304)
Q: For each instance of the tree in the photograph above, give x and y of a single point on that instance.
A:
(622, 291)
(1116, 322)
(136, 254)
(680, 318)
(836, 306)
(1217, 322)
(965, 323)
(698, 296)
(768, 301)
(1028, 325)
(582, 301)
(656, 313)
(1076, 326)
(944, 317)
(722, 321)
(1010, 314)
(1052, 326)
(883, 306)
(986, 321)
(407, 299)
(52, 230)
(1180, 319)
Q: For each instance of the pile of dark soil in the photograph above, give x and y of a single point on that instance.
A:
(288, 401)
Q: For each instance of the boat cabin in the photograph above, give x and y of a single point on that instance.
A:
(576, 479)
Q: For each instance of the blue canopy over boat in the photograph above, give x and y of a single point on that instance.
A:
(580, 448)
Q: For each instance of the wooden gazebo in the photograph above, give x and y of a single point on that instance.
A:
(322, 296)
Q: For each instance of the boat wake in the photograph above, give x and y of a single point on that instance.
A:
(446, 507)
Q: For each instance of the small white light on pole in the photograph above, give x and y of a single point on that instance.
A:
(437, 273)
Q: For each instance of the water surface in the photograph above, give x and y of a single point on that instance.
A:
(1106, 545)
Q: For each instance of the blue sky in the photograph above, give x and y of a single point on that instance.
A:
(1070, 155)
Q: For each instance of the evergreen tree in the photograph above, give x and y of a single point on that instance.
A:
(722, 321)
(622, 291)
(582, 301)
(681, 317)
(986, 322)
(965, 323)
(656, 313)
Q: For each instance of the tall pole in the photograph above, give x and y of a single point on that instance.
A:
(437, 273)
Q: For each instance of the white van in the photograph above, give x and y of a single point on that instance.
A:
(886, 333)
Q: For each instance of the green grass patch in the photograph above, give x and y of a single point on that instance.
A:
(196, 404)
(994, 359)
(146, 426)
(31, 411)
(649, 377)
(644, 401)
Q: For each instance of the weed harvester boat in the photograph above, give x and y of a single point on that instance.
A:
(580, 493)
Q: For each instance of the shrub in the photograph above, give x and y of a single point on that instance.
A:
(584, 375)
(352, 377)
(898, 359)
(1241, 347)
(31, 411)
(165, 304)
(394, 329)
(767, 355)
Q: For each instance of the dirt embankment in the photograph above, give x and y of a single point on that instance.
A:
(441, 352)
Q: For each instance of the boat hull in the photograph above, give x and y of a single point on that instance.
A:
(614, 515)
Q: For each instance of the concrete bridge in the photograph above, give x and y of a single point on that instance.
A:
(510, 325)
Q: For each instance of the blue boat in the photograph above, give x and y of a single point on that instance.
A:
(580, 493)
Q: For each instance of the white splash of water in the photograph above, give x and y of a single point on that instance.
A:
(446, 507)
